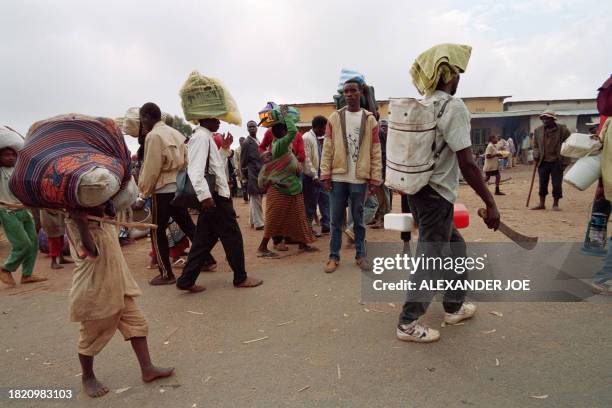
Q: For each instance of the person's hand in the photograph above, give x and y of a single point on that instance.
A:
(492, 218)
(226, 141)
(327, 185)
(373, 188)
(208, 204)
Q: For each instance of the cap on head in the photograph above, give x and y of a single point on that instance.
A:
(549, 114)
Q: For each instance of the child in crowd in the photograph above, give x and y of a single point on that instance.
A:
(491, 166)
(102, 298)
(18, 226)
(55, 228)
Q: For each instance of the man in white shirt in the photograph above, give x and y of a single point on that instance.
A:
(217, 219)
(432, 207)
(311, 185)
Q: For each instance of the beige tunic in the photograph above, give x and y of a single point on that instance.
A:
(99, 284)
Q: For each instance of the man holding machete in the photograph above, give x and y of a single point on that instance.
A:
(435, 73)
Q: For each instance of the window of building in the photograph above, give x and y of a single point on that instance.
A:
(480, 136)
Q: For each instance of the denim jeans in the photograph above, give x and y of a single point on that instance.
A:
(323, 201)
(340, 194)
(605, 274)
(370, 209)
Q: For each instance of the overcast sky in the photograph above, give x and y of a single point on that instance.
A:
(101, 58)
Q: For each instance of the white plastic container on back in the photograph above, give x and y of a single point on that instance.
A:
(411, 144)
(584, 172)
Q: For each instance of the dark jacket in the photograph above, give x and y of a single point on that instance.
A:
(251, 161)
(538, 143)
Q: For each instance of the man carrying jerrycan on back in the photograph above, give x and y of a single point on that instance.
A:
(433, 188)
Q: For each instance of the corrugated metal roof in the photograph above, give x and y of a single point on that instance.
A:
(509, 114)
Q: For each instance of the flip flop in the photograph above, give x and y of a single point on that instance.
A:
(268, 254)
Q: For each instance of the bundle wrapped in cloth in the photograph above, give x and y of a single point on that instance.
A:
(204, 98)
(442, 61)
(130, 123)
(10, 138)
(73, 161)
(271, 114)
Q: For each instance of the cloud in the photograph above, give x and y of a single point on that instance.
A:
(78, 56)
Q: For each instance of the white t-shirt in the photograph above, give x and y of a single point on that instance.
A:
(353, 130)
(454, 126)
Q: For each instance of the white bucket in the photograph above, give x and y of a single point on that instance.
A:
(584, 173)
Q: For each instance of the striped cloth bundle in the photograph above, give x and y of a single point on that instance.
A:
(59, 151)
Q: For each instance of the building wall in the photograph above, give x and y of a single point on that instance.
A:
(569, 104)
(492, 104)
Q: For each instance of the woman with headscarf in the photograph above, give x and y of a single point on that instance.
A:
(285, 215)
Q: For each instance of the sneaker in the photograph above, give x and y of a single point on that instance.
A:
(604, 288)
(417, 332)
(466, 311)
(331, 266)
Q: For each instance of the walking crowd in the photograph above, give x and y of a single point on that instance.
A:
(333, 176)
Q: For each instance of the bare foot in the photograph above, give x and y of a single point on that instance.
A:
(197, 289)
(66, 261)
(56, 266)
(538, 207)
(94, 388)
(250, 283)
(7, 278)
(556, 208)
(153, 373)
(32, 279)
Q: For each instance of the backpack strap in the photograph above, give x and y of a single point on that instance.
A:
(443, 145)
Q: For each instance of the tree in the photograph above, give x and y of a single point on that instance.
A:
(182, 126)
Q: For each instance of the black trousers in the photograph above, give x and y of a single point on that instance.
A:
(554, 171)
(216, 224)
(161, 211)
(438, 238)
(405, 235)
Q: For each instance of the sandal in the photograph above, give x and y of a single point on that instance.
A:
(268, 254)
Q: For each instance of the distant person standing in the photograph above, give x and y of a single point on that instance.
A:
(491, 166)
(240, 173)
(251, 161)
(311, 183)
(547, 153)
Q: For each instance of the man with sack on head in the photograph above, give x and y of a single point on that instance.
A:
(217, 219)
(435, 74)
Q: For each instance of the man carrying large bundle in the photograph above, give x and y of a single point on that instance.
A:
(217, 219)
(165, 155)
(435, 74)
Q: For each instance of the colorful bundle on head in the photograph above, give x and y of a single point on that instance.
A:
(66, 154)
(271, 114)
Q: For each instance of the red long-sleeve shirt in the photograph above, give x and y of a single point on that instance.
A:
(297, 145)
